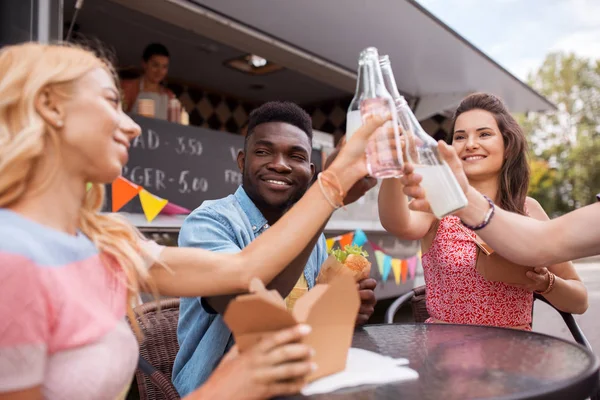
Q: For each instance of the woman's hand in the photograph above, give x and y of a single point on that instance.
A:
(539, 280)
(278, 365)
(412, 180)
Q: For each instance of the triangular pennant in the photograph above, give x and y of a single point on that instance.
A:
(174, 209)
(375, 247)
(360, 237)
(379, 256)
(404, 270)
(396, 269)
(387, 267)
(330, 243)
(122, 192)
(412, 266)
(346, 239)
(151, 204)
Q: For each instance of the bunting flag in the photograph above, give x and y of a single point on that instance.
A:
(122, 192)
(360, 237)
(404, 268)
(330, 243)
(174, 209)
(412, 266)
(346, 239)
(379, 255)
(396, 268)
(401, 268)
(387, 267)
(375, 247)
(151, 204)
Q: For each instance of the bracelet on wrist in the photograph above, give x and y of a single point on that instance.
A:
(331, 189)
(551, 280)
(486, 219)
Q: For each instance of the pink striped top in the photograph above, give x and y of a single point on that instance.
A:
(62, 324)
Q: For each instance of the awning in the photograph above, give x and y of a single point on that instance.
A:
(431, 62)
(434, 66)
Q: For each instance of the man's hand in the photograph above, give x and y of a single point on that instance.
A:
(361, 187)
(366, 289)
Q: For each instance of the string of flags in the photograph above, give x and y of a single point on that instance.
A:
(401, 268)
(123, 191)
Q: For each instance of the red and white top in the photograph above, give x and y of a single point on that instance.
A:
(457, 293)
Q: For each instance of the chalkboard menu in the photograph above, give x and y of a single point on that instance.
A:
(183, 164)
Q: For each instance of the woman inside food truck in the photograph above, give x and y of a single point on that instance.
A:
(148, 90)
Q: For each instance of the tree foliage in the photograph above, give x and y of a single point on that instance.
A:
(565, 143)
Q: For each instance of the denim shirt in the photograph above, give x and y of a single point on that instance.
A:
(226, 225)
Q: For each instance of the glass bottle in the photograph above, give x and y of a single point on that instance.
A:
(383, 153)
(442, 190)
(353, 119)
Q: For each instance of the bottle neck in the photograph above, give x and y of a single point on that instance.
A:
(390, 84)
(372, 77)
(360, 81)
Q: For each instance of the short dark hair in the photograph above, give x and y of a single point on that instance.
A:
(280, 111)
(154, 49)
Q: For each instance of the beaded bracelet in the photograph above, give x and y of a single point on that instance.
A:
(486, 219)
(552, 279)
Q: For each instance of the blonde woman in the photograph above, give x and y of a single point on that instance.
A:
(67, 273)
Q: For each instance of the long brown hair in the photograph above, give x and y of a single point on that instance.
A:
(514, 174)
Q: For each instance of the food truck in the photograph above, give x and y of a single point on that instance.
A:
(229, 56)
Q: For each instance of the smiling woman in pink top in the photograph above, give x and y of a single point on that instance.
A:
(493, 151)
(68, 273)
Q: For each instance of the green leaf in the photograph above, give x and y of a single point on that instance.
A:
(341, 255)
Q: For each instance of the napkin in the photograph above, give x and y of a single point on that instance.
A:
(363, 367)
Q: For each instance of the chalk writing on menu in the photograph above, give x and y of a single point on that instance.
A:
(185, 165)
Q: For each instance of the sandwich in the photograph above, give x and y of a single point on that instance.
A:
(351, 260)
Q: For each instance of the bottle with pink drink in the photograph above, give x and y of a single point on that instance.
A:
(384, 150)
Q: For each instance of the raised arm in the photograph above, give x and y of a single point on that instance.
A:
(568, 293)
(520, 239)
(196, 272)
(395, 215)
(284, 281)
(537, 243)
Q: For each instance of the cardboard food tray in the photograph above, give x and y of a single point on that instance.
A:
(330, 309)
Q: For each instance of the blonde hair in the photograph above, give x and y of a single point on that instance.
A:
(27, 69)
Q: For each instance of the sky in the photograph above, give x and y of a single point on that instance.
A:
(519, 33)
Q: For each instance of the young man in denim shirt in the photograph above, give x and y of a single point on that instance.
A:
(277, 171)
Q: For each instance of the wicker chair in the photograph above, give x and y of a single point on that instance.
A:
(158, 323)
(416, 297)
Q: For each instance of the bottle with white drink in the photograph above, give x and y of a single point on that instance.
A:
(384, 150)
(442, 190)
